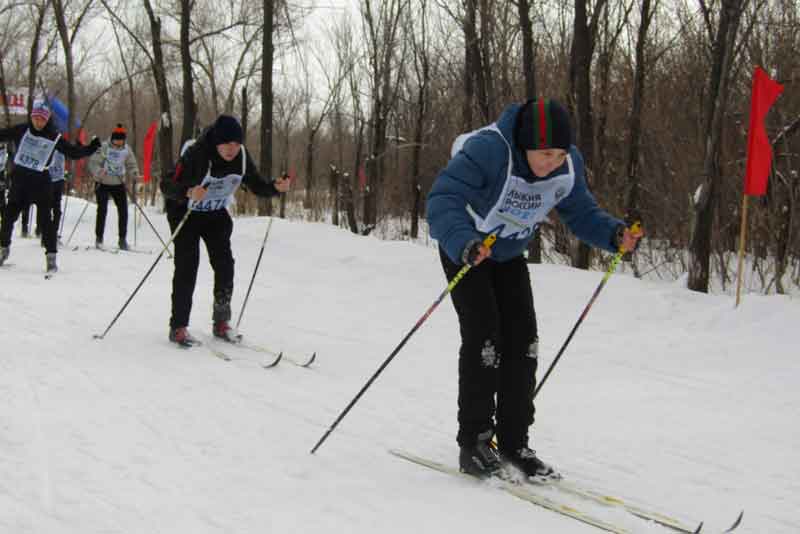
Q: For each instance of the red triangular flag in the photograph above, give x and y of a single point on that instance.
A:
(759, 151)
(79, 167)
(149, 141)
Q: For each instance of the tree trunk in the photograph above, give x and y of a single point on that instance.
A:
(486, 93)
(706, 198)
(189, 106)
(307, 200)
(34, 54)
(4, 90)
(581, 92)
(470, 37)
(635, 123)
(267, 59)
(334, 192)
(160, 75)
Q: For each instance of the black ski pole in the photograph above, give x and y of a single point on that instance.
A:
(146, 218)
(636, 228)
(488, 242)
(147, 274)
(255, 270)
(64, 215)
(80, 217)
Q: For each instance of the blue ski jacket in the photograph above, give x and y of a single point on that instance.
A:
(488, 187)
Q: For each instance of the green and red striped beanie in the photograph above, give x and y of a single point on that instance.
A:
(543, 124)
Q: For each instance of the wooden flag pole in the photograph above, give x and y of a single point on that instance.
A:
(742, 238)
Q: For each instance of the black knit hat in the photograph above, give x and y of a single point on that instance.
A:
(543, 124)
(119, 133)
(226, 129)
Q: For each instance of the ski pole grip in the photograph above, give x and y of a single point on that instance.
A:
(489, 241)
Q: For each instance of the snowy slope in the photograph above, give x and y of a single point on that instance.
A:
(665, 396)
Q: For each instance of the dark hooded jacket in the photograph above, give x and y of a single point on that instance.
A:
(201, 157)
(14, 134)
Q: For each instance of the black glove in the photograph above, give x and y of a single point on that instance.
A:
(95, 144)
(471, 252)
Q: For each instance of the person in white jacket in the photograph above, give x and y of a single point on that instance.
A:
(109, 167)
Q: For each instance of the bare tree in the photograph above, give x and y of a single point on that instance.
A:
(647, 11)
(422, 71)
(382, 30)
(583, 43)
(706, 197)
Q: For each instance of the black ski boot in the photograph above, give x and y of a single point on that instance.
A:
(5, 252)
(481, 459)
(52, 267)
(224, 331)
(531, 466)
(123, 245)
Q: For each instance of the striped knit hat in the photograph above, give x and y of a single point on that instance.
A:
(40, 109)
(543, 124)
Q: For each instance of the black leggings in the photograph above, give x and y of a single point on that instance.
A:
(215, 229)
(24, 193)
(120, 197)
(494, 303)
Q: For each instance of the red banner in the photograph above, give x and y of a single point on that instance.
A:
(149, 141)
(79, 166)
(759, 151)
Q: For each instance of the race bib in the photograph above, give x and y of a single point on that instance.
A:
(3, 159)
(523, 205)
(34, 151)
(220, 192)
(115, 161)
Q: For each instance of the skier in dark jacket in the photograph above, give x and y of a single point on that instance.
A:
(36, 141)
(504, 180)
(206, 177)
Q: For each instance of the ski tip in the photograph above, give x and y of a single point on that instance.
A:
(699, 528)
(736, 523)
(97, 336)
(273, 363)
(310, 361)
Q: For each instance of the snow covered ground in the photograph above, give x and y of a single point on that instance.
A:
(665, 396)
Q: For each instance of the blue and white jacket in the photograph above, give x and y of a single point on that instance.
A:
(488, 187)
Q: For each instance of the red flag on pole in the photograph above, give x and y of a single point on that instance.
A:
(759, 151)
(79, 167)
(149, 141)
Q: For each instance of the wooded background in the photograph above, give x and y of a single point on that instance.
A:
(363, 104)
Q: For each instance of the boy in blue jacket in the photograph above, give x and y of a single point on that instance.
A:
(504, 180)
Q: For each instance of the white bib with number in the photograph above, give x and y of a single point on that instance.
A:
(220, 190)
(115, 161)
(34, 151)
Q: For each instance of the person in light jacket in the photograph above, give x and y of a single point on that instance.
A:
(109, 167)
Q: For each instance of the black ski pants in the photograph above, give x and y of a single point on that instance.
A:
(23, 193)
(215, 229)
(498, 354)
(57, 190)
(120, 197)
